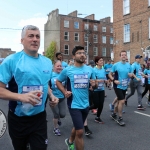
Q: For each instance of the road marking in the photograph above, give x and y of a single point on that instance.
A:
(142, 113)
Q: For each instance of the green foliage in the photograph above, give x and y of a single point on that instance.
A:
(50, 52)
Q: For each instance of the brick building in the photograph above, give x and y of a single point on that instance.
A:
(69, 31)
(131, 25)
(4, 52)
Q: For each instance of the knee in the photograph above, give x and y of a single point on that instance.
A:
(62, 115)
(56, 116)
(79, 133)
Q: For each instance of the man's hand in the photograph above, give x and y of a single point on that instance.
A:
(67, 94)
(53, 101)
(116, 82)
(92, 82)
(91, 89)
(32, 97)
(98, 80)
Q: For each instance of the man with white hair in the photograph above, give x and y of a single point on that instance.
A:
(27, 74)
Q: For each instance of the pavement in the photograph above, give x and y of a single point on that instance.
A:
(108, 136)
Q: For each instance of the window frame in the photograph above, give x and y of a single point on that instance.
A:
(75, 25)
(104, 48)
(126, 35)
(95, 39)
(66, 26)
(86, 28)
(95, 27)
(66, 49)
(104, 41)
(85, 37)
(76, 36)
(66, 35)
(126, 5)
(111, 41)
(149, 27)
(95, 51)
(103, 29)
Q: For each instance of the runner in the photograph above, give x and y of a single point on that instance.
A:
(121, 72)
(59, 56)
(99, 95)
(59, 111)
(78, 77)
(27, 91)
(107, 68)
(136, 81)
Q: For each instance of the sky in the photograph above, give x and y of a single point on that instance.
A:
(15, 14)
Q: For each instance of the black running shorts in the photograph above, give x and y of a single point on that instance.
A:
(28, 129)
(120, 93)
(78, 117)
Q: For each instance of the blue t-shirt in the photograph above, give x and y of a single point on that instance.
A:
(78, 83)
(137, 70)
(56, 92)
(107, 68)
(100, 74)
(147, 72)
(121, 71)
(64, 64)
(24, 73)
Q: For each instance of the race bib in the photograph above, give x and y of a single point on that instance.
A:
(80, 81)
(140, 72)
(27, 89)
(109, 69)
(55, 83)
(100, 85)
(124, 82)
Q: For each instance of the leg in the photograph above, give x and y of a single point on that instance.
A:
(145, 90)
(139, 93)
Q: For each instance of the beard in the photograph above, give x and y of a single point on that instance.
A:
(80, 60)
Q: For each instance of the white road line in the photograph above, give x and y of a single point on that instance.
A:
(142, 113)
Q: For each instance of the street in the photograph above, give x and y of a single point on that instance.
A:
(108, 136)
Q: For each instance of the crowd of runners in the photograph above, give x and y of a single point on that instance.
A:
(33, 81)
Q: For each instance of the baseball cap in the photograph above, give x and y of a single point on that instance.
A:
(91, 62)
(58, 53)
(138, 56)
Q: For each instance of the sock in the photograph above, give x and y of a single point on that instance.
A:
(85, 127)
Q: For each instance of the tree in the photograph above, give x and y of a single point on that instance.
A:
(50, 52)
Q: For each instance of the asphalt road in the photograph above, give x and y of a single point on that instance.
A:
(109, 136)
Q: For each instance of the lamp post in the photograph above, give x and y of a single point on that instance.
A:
(87, 36)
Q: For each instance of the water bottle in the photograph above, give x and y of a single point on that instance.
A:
(26, 107)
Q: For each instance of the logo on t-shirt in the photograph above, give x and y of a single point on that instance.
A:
(3, 123)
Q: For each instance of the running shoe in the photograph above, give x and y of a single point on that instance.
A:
(126, 103)
(148, 104)
(120, 121)
(113, 116)
(88, 132)
(57, 132)
(28, 147)
(98, 120)
(147, 96)
(111, 107)
(140, 107)
(70, 146)
(59, 122)
(126, 92)
(94, 111)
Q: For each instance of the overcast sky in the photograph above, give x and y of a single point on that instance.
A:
(15, 14)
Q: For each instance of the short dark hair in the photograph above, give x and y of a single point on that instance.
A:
(76, 49)
(123, 51)
(58, 53)
(97, 58)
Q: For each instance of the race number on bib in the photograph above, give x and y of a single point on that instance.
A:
(27, 89)
(80, 81)
(100, 85)
(124, 82)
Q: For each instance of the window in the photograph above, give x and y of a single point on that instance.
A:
(103, 29)
(76, 25)
(111, 40)
(66, 50)
(126, 7)
(103, 39)
(95, 38)
(85, 48)
(76, 36)
(85, 38)
(86, 26)
(95, 51)
(66, 23)
(127, 33)
(66, 36)
(95, 27)
(104, 51)
(149, 27)
(111, 30)
(148, 2)
(111, 50)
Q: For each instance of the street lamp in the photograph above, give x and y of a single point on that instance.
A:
(87, 36)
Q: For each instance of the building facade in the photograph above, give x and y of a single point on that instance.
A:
(69, 31)
(4, 52)
(131, 25)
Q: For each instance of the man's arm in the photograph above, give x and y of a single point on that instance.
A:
(30, 97)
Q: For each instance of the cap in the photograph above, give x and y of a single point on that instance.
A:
(91, 62)
(58, 53)
(138, 56)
